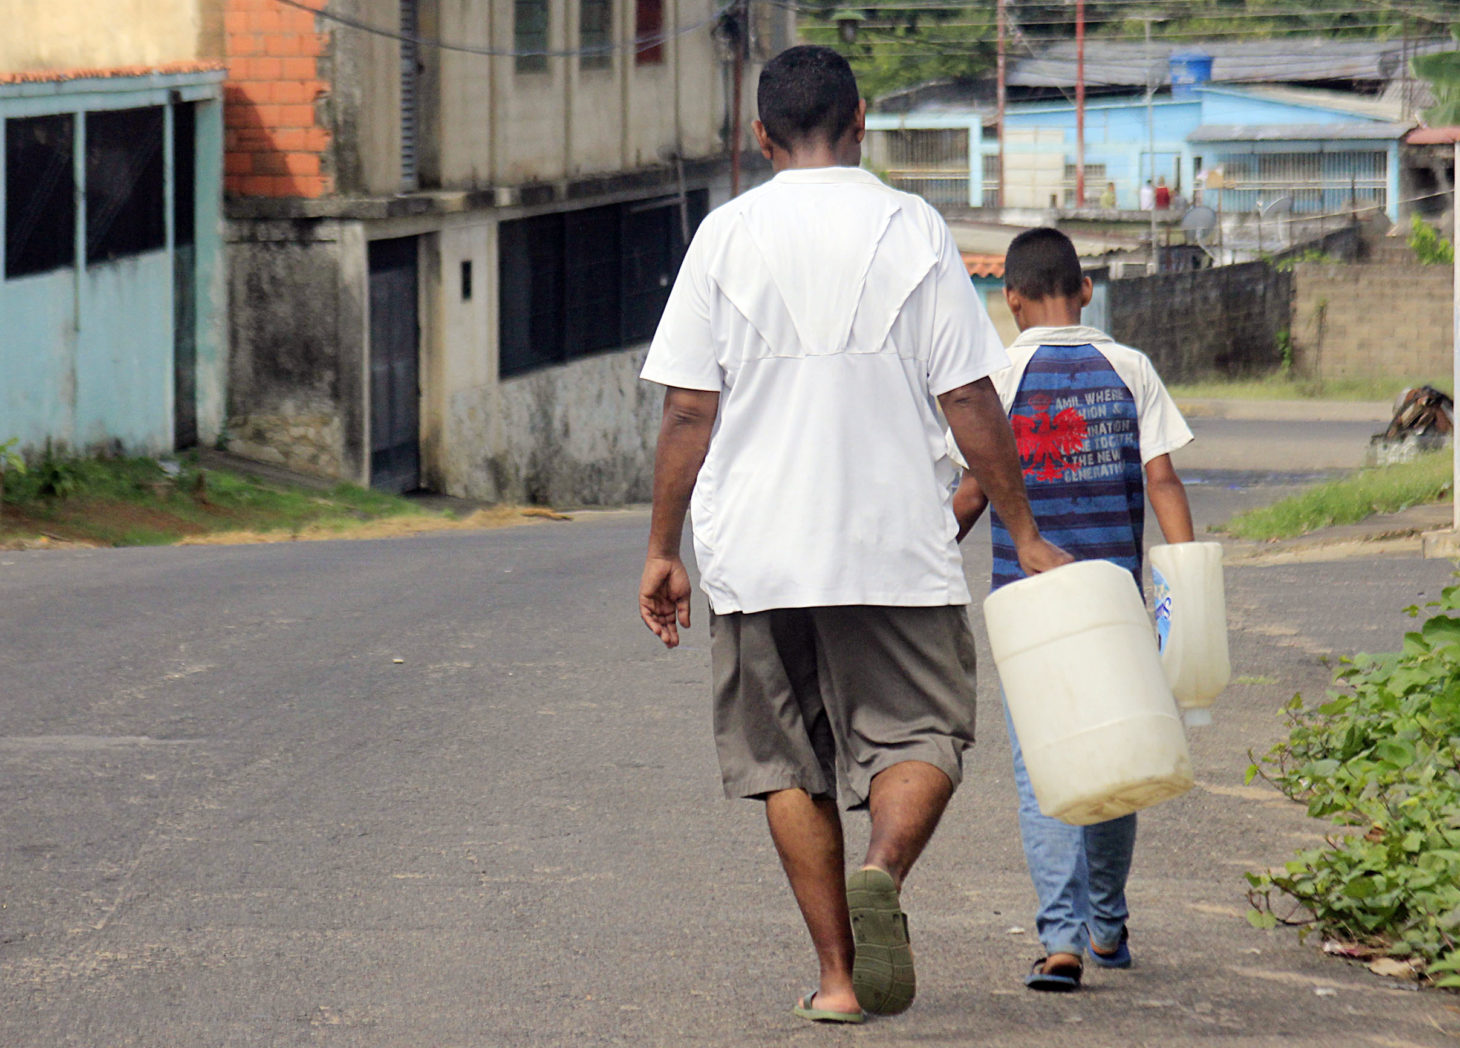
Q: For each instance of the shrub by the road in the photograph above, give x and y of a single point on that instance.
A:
(1380, 756)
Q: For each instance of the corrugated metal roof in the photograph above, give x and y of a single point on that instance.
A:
(1123, 63)
(1340, 101)
(1370, 132)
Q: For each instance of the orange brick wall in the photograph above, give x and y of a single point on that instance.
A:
(274, 142)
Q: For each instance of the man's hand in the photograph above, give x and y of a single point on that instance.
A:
(664, 598)
(1041, 555)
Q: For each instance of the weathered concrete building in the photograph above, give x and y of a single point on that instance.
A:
(453, 225)
(111, 284)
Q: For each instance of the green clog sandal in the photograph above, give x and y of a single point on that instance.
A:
(882, 973)
(806, 1010)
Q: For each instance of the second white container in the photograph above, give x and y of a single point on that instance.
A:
(1191, 622)
(1087, 693)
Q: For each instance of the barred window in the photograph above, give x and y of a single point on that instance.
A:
(582, 282)
(40, 195)
(530, 23)
(649, 32)
(595, 34)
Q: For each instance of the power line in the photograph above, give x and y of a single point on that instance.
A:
(637, 44)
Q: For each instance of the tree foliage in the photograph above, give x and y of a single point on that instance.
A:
(902, 43)
(1443, 73)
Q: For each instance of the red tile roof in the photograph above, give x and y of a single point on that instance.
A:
(1433, 136)
(45, 76)
(984, 265)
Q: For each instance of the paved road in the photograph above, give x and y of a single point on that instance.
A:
(232, 817)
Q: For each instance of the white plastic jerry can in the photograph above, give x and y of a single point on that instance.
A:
(1089, 699)
(1191, 624)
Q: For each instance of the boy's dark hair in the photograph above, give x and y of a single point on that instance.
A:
(1042, 263)
(807, 93)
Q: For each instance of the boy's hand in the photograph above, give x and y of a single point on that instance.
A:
(664, 591)
(1042, 555)
(969, 502)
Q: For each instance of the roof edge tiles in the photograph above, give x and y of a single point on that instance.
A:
(983, 265)
(53, 76)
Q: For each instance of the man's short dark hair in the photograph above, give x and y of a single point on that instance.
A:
(1042, 263)
(807, 94)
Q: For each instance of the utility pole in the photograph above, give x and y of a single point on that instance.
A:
(1154, 265)
(1079, 103)
(1002, 95)
(740, 39)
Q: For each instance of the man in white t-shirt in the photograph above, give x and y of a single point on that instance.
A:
(816, 326)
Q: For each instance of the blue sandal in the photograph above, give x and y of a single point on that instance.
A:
(1121, 958)
(1054, 978)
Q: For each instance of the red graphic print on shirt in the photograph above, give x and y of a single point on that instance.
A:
(1046, 444)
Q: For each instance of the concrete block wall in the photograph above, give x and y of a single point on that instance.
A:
(1392, 320)
(1222, 321)
(275, 142)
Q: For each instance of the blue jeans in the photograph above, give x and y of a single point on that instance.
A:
(1079, 872)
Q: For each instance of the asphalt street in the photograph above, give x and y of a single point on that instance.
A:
(448, 791)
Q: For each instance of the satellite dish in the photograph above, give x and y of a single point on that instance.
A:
(1281, 206)
(1199, 221)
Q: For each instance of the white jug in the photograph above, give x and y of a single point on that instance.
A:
(1191, 624)
(1089, 700)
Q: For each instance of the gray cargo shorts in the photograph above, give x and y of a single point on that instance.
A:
(811, 697)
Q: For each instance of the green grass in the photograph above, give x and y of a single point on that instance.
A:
(1279, 387)
(1386, 489)
(133, 502)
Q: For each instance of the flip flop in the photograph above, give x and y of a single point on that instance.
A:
(806, 1010)
(1059, 978)
(1121, 958)
(882, 973)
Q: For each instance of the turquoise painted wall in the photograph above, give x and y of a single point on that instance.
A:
(1116, 134)
(87, 352)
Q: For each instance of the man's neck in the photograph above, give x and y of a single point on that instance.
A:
(817, 154)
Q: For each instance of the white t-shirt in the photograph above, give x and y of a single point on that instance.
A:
(1162, 428)
(829, 312)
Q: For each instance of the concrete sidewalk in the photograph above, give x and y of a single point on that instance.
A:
(1287, 410)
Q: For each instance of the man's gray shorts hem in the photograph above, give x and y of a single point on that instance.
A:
(825, 699)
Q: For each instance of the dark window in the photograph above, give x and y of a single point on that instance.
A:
(410, 116)
(184, 174)
(582, 282)
(466, 280)
(124, 183)
(595, 34)
(649, 32)
(40, 195)
(530, 35)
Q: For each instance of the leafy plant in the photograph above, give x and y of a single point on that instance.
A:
(1428, 246)
(1285, 352)
(1312, 254)
(11, 461)
(1380, 756)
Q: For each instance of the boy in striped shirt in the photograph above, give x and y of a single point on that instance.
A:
(1090, 417)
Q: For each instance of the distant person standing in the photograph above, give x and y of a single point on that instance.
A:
(1107, 198)
(816, 327)
(1148, 196)
(1163, 195)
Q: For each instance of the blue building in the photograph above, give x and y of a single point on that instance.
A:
(1322, 148)
(111, 281)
